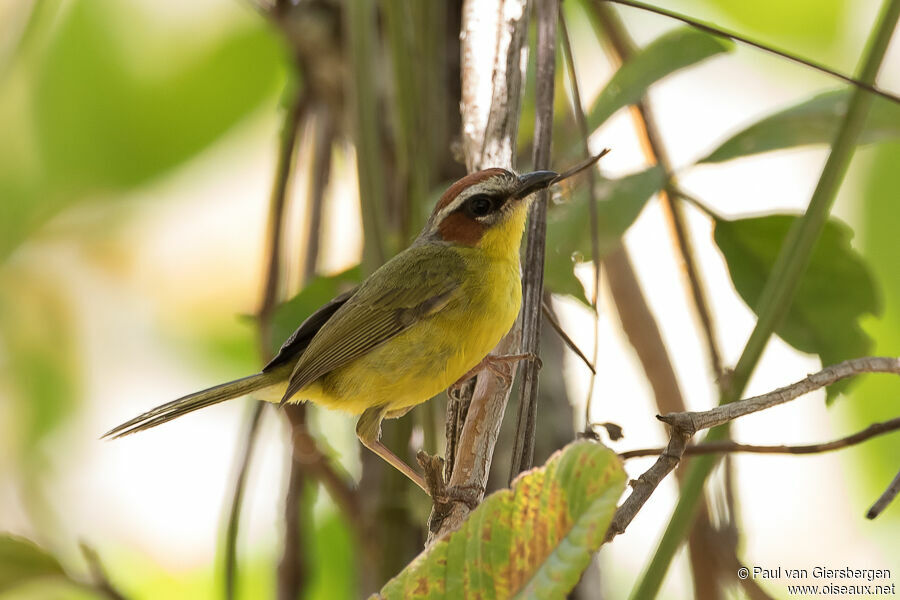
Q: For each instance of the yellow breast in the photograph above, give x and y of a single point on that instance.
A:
(432, 354)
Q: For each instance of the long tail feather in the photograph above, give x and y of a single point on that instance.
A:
(186, 404)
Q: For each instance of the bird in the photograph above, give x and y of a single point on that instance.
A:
(424, 321)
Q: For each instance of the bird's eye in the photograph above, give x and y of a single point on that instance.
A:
(480, 205)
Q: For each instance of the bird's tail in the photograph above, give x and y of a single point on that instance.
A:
(186, 404)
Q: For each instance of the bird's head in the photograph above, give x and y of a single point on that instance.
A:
(486, 209)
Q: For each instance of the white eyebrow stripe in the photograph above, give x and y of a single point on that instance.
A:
(478, 188)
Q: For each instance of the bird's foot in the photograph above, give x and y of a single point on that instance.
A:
(445, 496)
(499, 366)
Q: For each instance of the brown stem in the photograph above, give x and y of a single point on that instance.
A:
(237, 498)
(683, 425)
(581, 119)
(293, 568)
(99, 581)
(622, 47)
(533, 276)
(886, 498)
(275, 229)
(729, 447)
(493, 38)
(321, 170)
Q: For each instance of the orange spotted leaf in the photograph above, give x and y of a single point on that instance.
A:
(531, 541)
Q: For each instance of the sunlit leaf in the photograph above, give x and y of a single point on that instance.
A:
(835, 292)
(533, 540)
(314, 294)
(620, 201)
(814, 121)
(21, 562)
(670, 52)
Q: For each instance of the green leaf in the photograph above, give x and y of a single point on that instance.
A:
(837, 289)
(670, 52)
(532, 541)
(620, 201)
(21, 561)
(314, 294)
(814, 121)
(114, 100)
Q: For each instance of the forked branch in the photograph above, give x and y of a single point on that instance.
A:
(683, 426)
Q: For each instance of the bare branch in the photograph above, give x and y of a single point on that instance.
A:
(692, 422)
(99, 581)
(886, 498)
(729, 447)
(551, 318)
(684, 425)
(581, 119)
(623, 47)
(533, 275)
(493, 50)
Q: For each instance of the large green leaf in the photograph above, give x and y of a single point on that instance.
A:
(533, 540)
(671, 52)
(314, 294)
(21, 561)
(620, 201)
(837, 289)
(814, 121)
(114, 100)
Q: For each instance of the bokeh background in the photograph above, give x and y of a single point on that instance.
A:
(137, 150)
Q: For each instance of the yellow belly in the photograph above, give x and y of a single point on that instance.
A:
(432, 354)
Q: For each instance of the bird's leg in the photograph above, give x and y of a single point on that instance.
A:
(368, 430)
(497, 365)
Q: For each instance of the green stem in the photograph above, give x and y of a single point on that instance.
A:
(361, 28)
(778, 293)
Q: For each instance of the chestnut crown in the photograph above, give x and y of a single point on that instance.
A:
(481, 201)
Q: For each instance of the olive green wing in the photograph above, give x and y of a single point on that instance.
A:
(415, 284)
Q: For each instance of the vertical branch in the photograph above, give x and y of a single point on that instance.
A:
(321, 171)
(780, 288)
(533, 277)
(581, 120)
(360, 23)
(275, 227)
(493, 47)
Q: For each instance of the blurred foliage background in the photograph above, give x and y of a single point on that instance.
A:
(138, 148)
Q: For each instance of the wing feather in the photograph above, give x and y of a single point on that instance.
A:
(422, 280)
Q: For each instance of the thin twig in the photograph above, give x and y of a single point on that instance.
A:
(551, 318)
(321, 169)
(886, 498)
(536, 238)
(99, 581)
(655, 152)
(685, 424)
(581, 119)
(728, 446)
(710, 29)
(251, 429)
(274, 230)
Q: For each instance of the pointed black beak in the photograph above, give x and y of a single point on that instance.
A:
(534, 181)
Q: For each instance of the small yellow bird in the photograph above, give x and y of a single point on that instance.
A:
(427, 318)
